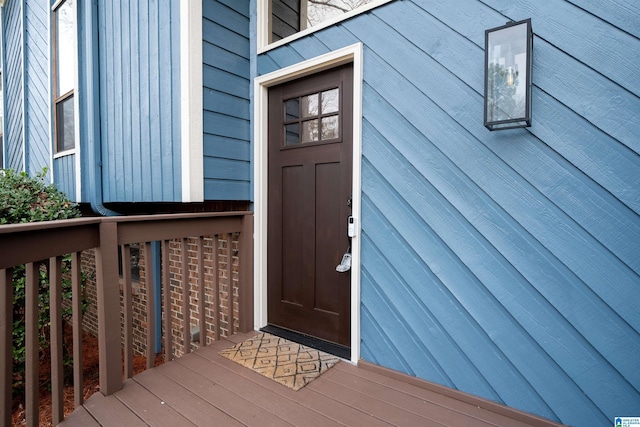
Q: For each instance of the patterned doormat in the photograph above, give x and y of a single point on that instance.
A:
(286, 362)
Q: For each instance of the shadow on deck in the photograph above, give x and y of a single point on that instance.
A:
(205, 389)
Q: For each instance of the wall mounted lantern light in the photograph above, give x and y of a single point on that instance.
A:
(507, 75)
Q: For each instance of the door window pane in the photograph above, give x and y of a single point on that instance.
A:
(291, 110)
(330, 127)
(309, 105)
(310, 131)
(292, 134)
(330, 101)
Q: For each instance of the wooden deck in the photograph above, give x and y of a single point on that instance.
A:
(205, 389)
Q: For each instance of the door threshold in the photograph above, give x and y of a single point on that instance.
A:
(322, 345)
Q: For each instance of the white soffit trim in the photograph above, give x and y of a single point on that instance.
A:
(191, 126)
(350, 54)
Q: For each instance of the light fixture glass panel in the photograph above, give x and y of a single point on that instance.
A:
(507, 76)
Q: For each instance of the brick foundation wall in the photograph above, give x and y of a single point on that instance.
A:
(139, 293)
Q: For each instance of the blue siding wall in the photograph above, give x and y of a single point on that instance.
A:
(13, 29)
(503, 264)
(36, 91)
(64, 175)
(140, 100)
(225, 32)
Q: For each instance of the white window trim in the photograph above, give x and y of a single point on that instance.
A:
(76, 105)
(191, 120)
(350, 54)
(264, 24)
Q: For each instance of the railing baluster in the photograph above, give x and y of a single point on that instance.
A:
(76, 301)
(216, 286)
(151, 305)
(201, 293)
(6, 344)
(186, 313)
(32, 343)
(166, 288)
(127, 301)
(55, 311)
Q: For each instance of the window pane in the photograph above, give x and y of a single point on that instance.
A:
(65, 47)
(310, 131)
(285, 18)
(291, 110)
(290, 16)
(292, 134)
(65, 125)
(309, 105)
(330, 127)
(330, 100)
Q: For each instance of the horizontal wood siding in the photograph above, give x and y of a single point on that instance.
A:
(36, 91)
(64, 175)
(139, 60)
(502, 263)
(13, 28)
(225, 48)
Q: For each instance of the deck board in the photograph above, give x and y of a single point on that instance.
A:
(147, 406)
(111, 412)
(79, 417)
(333, 412)
(194, 406)
(204, 388)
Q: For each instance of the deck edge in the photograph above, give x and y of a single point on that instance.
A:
(516, 414)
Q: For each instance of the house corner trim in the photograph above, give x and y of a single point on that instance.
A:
(191, 122)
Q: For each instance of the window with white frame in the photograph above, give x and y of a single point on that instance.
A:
(64, 74)
(289, 17)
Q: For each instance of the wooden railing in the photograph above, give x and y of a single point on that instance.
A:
(32, 243)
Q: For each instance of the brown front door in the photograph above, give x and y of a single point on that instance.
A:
(310, 168)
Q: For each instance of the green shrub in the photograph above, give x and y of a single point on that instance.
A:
(28, 199)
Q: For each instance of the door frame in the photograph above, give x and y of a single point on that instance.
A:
(350, 54)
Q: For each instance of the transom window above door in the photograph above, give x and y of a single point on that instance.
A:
(288, 19)
(312, 118)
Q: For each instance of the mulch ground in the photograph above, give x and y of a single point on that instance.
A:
(90, 385)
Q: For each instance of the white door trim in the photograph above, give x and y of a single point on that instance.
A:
(350, 54)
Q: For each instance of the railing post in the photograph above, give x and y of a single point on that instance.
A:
(6, 344)
(108, 294)
(245, 272)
